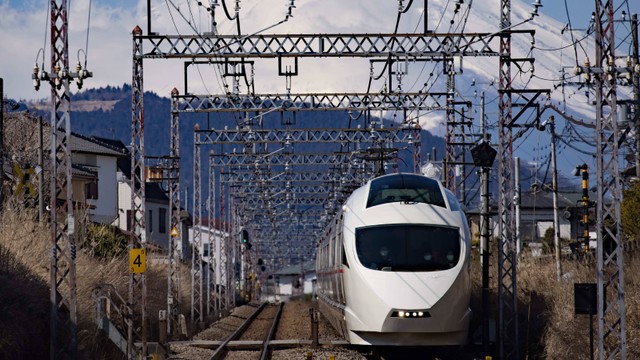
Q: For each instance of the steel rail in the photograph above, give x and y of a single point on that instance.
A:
(264, 355)
(221, 351)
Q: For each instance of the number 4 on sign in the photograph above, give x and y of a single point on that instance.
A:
(137, 261)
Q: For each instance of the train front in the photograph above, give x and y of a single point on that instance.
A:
(407, 246)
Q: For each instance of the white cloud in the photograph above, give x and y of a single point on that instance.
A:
(110, 45)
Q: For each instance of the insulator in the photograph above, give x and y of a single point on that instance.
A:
(36, 80)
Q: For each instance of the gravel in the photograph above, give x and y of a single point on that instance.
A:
(295, 324)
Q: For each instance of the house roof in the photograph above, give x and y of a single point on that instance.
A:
(92, 145)
(77, 143)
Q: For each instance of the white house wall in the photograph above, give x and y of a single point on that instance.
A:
(106, 205)
(210, 236)
(153, 228)
(565, 228)
(124, 201)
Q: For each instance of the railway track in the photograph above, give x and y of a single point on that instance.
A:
(262, 331)
(256, 332)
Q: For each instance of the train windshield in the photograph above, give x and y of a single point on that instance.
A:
(408, 247)
(406, 188)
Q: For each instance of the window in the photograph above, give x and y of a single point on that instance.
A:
(205, 249)
(162, 221)
(150, 222)
(91, 190)
(407, 188)
(408, 247)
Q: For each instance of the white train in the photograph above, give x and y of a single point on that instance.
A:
(393, 267)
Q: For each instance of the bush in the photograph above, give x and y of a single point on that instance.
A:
(105, 241)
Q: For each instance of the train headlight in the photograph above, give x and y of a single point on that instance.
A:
(417, 314)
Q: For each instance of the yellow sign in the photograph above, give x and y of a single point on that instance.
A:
(174, 231)
(24, 180)
(137, 261)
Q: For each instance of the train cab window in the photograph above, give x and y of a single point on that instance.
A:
(454, 205)
(407, 188)
(408, 247)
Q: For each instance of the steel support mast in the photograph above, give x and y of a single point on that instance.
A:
(507, 289)
(611, 312)
(197, 313)
(175, 237)
(138, 232)
(64, 318)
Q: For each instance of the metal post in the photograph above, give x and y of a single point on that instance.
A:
(41, 207)
(556, 217)
(635, 61)
(517, 201)
(2, 143)
(175, 237)
(507, 260)
(197, 313)
(610, 263)
(584, 169)
(138, 232)
(63, 248)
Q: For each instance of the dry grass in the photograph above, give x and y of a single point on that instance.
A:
(25, 257)
(548, 327)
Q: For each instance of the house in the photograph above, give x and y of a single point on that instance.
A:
(93, 166)
(94, 176)
(157, 209)
(211, 239)
(295, 280)
(536, 216)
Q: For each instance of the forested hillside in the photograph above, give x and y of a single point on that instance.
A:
(106, 112)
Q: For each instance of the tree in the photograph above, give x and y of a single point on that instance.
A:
(630, 209)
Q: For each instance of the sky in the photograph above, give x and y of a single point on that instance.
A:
(23, 24)
(106, 47)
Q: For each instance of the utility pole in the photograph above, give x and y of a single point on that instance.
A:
(517, 199)
(1, 141)
(41, 207)
(635, 73)
(556, 217)
(485, 218)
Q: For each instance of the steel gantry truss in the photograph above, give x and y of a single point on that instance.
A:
(610, 264)
(322, 45)
(312, 101)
